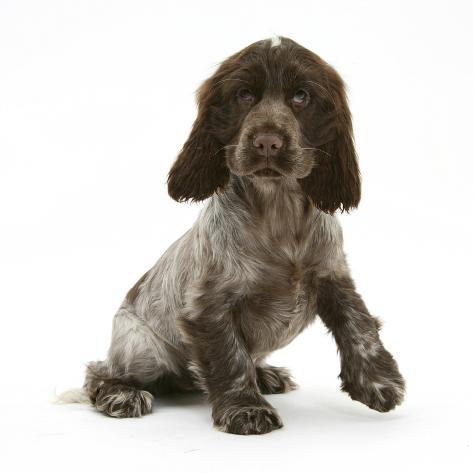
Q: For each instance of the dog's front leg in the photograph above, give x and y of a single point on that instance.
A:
(369, 373)
(225, 370)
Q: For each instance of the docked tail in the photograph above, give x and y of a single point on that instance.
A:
(72, 396)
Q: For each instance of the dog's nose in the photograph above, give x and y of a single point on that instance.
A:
(267, 145)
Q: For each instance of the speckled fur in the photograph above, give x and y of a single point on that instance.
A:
(262, 260)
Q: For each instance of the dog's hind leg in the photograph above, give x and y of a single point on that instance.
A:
(121, 385)
(115, 395)
(274, 380)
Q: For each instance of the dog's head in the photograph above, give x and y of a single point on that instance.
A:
(272, 111)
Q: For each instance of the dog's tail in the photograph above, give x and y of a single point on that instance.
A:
(71, 396)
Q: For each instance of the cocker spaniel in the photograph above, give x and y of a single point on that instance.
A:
(272, 151)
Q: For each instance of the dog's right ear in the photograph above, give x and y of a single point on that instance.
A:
(200, 168)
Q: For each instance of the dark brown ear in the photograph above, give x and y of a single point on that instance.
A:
(200, 168)
(334, 182)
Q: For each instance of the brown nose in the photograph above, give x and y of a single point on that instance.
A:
(267, 145)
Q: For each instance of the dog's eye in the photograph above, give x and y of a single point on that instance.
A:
(300, 98)
(245, 96)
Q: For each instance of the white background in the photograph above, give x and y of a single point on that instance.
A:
(96, 99)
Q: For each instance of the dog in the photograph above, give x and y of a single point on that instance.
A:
(272, 150)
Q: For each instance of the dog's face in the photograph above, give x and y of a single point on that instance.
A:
(272, 111)
(267, 103)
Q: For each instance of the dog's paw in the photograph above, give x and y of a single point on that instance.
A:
(382, 396)
(378, 384)
(120, 400)
(273, 380)
(248, 420)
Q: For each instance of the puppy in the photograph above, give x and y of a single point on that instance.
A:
(272, 151)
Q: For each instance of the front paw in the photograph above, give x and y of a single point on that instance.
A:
(247, 420)
(376, 383)
(380, 396)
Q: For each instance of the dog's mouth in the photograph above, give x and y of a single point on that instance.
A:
(267, 172)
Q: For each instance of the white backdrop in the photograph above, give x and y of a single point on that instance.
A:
(96, 99)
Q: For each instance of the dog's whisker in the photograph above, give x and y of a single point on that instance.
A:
(318, 149)
(227, 80)
(321, 87)
(222, 148)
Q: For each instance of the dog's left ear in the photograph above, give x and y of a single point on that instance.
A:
(334, 182)
(199, 169)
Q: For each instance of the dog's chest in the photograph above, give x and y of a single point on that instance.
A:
(278, 305)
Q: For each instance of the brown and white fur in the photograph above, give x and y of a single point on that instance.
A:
(272, 150)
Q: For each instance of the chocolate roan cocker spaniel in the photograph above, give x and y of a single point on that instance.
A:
(272, 151)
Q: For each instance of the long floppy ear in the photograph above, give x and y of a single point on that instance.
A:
(199, 169)
(334, 182)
